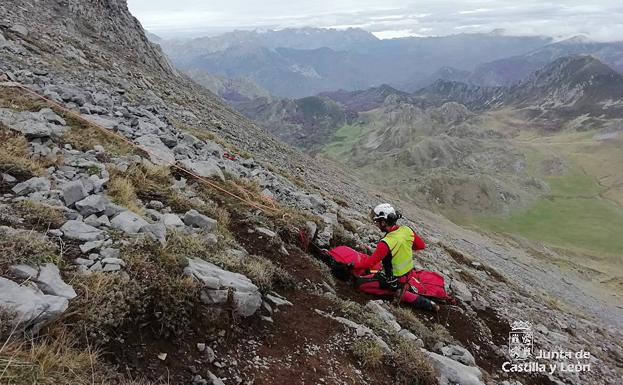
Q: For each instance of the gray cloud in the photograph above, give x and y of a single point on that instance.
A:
(600, 20)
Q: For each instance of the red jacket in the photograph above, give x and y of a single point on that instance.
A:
(382, 251)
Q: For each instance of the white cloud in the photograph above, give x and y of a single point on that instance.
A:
(600, 19)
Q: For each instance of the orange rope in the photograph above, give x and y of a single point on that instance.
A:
(258, 206)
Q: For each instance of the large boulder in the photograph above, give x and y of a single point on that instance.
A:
(80, 231)
(31, 307)
(158, 152)
(204, 168)
(128, 222)
(218, 283)
(454, 372)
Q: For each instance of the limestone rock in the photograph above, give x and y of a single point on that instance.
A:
(196, 219)
(80, 231)
(93, 204)
(204, 168)
(218, 282)
(32, 308)
(128, 222)
(157, 151)
(32, 185)
(455, 372)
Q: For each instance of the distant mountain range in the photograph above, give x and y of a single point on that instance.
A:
(308, 61)
(446, 135)
(303, 62)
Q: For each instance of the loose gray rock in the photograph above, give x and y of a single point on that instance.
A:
(214, 380)
(111, 267)
(377, 308)
(455, 372)
(196, 219)
(80, 231)
(172, 220)
(88, 246)
(110, 252)
(33, 309)
(32, 185)
(157, 151)
(461, 290)
(128, 222)
(218, 283)
(204, 168)
(459, 353)
(157, 231)
(50, 282)
(93, 204)
(73, 192)
(20, 30)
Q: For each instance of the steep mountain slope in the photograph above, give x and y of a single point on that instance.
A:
(231, 90)
(303, 62)
(154, 275)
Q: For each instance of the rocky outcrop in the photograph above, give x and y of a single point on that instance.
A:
(218, 284)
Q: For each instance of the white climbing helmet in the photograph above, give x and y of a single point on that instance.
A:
(385, 211)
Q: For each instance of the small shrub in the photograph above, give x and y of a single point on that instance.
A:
(368, 352)
(27, 248)
(169, 296)
(413, 367)
(105, 303)
(40, 217)
(264, 273)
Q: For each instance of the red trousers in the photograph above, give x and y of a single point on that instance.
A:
(375, 284)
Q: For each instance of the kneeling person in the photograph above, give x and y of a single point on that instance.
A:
(395, 252)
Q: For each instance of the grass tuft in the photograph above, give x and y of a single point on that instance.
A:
(368, 352)
(122, 192)
(39, 216)
(413, 367)
(26, 248)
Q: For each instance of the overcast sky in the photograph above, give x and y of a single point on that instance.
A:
(600, 20)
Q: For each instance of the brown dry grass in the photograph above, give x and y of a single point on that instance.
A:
(122, 192)
(39, 216)
(14, 156)
(27, 248)
(84, 136)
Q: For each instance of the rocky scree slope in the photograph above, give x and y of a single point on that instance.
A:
(159, 272)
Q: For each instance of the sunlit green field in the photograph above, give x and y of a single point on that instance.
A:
(342, 141)
(579, 212)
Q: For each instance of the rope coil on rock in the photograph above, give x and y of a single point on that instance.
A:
(259, 206)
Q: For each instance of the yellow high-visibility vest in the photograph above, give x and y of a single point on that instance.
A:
(400, 243)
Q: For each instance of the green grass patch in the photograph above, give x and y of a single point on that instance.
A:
(592, 225)
(575, 184)
(342, 141)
